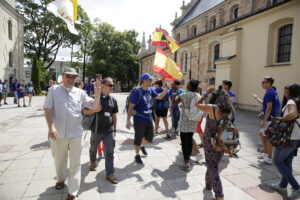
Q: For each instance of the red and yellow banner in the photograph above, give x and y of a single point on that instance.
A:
(165, 66)
(161, 38)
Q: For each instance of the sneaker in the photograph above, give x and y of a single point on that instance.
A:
(276, 187)
(199, 156)
(19, 105)
(295, 194)
(24, 105)
(138, 159)
(267, 161)
(5, 103)
(156, 133)
(263, 156)
(168, 136)
(143, 149)
(187, 166)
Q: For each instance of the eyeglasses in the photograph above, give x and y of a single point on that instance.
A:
(68, 76)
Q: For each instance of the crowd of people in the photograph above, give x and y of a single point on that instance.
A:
(19, 89)
(149, 102)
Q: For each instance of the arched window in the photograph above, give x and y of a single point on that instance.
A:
(194, 31)
(213, 22)
(234, 12)
(215, 55)
(178, 37)
(10, 59)
(284, 43)
(9, 29)
(185, 63)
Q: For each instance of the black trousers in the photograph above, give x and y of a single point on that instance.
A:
(186, 144)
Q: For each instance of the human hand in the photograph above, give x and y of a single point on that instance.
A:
(210, 90)
(98, 109)
(128, 125)
(97, 88)
(254, 95)
(52, 133)
(263, 124)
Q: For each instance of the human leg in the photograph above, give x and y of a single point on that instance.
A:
(59, 149)
(109, 143)
(75, 148)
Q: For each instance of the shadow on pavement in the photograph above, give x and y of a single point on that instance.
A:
(41, 146)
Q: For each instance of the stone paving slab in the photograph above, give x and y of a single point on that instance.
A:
(27, 170)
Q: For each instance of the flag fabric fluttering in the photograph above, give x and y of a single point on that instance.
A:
(161, 38)
(67, 11)
(165, 66)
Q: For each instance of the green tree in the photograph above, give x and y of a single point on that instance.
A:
(44, 34)
(115, 54)
(35, 75)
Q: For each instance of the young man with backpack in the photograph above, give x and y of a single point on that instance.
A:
(140, 107)
(271, 109)
(161, 108)
(226, 85)
(174, 92)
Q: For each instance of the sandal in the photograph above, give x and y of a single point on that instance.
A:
(59, 185)
(71, 197)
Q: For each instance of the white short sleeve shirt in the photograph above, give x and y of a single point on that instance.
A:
(296, 131)
(66, 105)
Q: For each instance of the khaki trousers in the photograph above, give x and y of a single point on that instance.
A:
(62, 149)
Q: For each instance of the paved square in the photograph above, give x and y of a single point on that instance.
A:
(27, 170)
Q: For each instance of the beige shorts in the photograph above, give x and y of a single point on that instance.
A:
(262, 130)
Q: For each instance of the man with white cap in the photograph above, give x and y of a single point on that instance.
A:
(140, 102)
(63, 115)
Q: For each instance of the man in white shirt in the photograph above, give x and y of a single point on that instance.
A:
(62, 108)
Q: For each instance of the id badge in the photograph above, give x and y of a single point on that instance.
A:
(107, 114)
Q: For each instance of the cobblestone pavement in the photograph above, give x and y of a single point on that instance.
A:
(27, 171)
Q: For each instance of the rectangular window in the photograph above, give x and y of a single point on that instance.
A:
(185, 63)
(27, 74)
(284, 43)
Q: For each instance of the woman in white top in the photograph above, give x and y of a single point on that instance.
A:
(283, 157)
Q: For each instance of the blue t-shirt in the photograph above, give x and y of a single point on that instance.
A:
(232, 97)
(158, 90)
(143, 106)
(5, 87)
(14, 87)
(271, 96)
(173, 96)
(20, 88)
(89, 89)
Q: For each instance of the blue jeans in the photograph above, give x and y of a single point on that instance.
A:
(175, 118)
(109, 144)
(283, 159)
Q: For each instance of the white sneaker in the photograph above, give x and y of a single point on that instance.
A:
(267, 161)
(199, 157)
(263, 156)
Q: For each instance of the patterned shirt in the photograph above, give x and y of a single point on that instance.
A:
(186, 125)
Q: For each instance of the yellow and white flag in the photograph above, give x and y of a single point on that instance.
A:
(67, 11)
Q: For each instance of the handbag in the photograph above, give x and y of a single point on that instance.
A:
(87, 121)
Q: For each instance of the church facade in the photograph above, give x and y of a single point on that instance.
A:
(237, 40)
(11, 42)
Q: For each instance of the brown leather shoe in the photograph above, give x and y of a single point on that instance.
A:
(59, 185)
(71, 197)
(112, 179)
(93, 166)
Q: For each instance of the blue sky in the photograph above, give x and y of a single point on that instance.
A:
(141, 15)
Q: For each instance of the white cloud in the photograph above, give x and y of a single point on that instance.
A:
(140, 15)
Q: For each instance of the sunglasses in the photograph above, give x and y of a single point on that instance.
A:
(110, 85)
(68, 76)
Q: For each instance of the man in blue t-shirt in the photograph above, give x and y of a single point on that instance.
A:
(271, 109)
(90, 87)
(174, 108)
(21, 92)
(140, 107)
(14, 89)
(226, 85)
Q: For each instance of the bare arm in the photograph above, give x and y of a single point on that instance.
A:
(178, 100)
(293, 113)
(52, 132)
(115, 120)
(162, 95)
(267, 115)
(129, 113)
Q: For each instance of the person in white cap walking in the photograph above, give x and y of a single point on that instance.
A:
(63, 115)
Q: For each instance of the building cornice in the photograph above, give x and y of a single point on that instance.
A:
(242, 18)
(11, 9)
